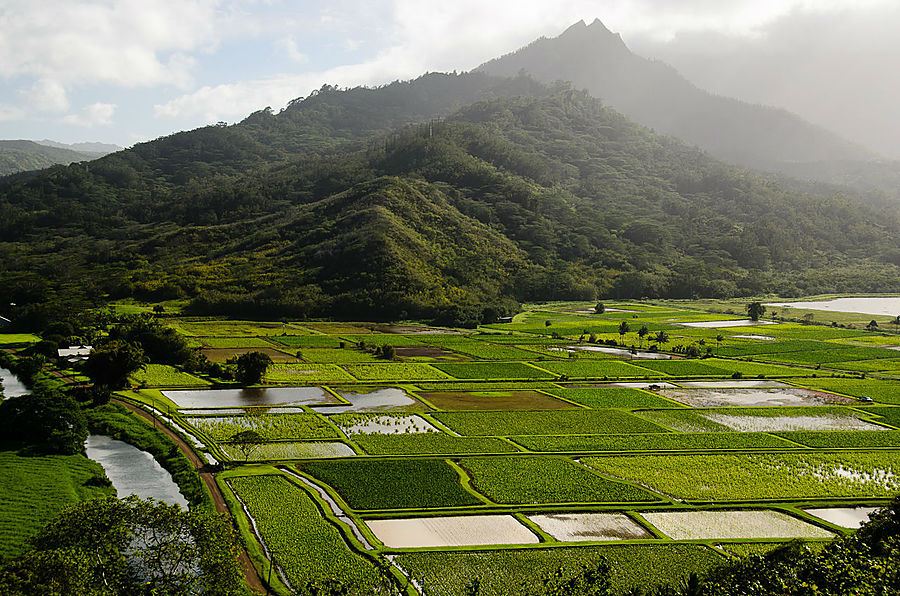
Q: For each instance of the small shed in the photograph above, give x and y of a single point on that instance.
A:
(75, 353)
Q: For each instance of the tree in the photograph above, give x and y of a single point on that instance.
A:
(600, 308)
(110, 365)
(719, 339)
(755, 310)
(251, 367)
(873, 325)
(661, 338)
(623, 328)
(246, 441)
(388, 352)
(108, 547)
(49, 420)
(642, 332)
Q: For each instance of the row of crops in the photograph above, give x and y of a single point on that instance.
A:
(494, 457)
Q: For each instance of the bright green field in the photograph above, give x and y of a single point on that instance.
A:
(33, 490)
(506, 572)
(557, 422)
(750, 477)
(307, 547)
(163, 375)
(534, 479)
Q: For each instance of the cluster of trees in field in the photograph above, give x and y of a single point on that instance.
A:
(329, 209)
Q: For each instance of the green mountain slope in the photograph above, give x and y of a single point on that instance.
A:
(541, 196)
(654, 94)
(23, 156)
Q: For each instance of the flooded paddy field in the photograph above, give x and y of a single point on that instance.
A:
(731, 525)
(871, 305)
(845, 517)
(250, 396)
(451, 531)
(763, 394)
(369, 399)
(577, 527)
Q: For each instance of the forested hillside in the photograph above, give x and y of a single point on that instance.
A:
(23, 156)
(329, 209)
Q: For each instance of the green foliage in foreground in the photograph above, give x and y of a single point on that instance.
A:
(515, 572)
(34, 489)
(393, 484)
(111, 547)
(304, 545)
(531, 479)
(558, 422)
(750, 477)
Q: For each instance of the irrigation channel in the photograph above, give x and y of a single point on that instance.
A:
(132, 471)
(12, 386)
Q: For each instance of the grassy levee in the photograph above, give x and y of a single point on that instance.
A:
(35, 488)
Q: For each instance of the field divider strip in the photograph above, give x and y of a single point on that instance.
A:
(543, 536)
(466, 482)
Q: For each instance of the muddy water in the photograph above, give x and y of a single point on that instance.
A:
(236, 398)
(577, 527)
(389, 398)
(451, 531)
(133, 471)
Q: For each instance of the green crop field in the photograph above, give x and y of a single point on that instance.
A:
(505, 572)
(557, 422)
(486, 351)
(655, 442)
(303, 373)
(885, 392)
(595, 369)
(748, 477)
(430, 444)
(393, 484)
(613, 397)
(393, 371)
(534, 479)
(271, 427)
(493, 370)
(163, 375)
(305, 546)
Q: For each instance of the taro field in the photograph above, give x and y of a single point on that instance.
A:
(432, 458)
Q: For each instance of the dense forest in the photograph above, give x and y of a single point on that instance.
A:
(22, 156)
(451, 197)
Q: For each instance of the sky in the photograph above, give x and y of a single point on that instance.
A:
(126, 71)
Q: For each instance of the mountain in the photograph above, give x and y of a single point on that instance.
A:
(655, 95)
(364, 203)
(86, 147)
(23, 156)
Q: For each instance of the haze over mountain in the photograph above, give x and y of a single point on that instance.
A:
(23, 156)
(336, 206)
(654, 94)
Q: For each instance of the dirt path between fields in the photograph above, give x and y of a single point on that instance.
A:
(209, 479)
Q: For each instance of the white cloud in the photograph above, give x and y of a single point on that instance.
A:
(289, 47)
(92, 115)
(45, 96)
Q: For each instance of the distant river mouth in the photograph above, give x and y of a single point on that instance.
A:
(132, 471)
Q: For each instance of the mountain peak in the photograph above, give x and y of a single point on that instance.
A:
(596, 34)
